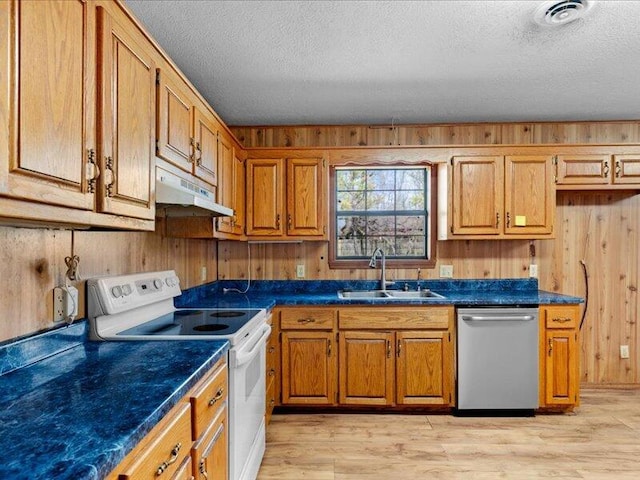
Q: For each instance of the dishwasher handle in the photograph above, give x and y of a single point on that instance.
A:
(485, 318)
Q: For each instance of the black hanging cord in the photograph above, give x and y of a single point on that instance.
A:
(586, 292)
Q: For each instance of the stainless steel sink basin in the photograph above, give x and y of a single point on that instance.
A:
(362, 294)
(413, 294)
(387, 294)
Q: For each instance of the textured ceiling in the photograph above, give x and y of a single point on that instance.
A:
(382, 62)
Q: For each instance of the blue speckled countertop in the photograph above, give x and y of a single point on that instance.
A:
(267, 294)
(72, 408)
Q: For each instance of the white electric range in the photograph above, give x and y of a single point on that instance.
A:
(140, 307)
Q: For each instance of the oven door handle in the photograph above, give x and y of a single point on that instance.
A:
(253, 347)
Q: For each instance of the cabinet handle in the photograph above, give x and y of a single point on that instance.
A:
(399, 348)
(329, 349)
(307, 320)
(198, 154)
(110, 176)
(216, 397)
(497, 219)
(289, 220)
(550, 347)
(618, 169)
(278, 221)
(272, 372)
(272, 402)
(92, 172)
(508, 220)
(174, 456)
(272, 349)
(192, 150)
(388, 348)
(561, 319)
(605, 170)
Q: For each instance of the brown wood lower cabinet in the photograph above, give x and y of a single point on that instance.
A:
(385, 356)
(559, 357)
(169, 451)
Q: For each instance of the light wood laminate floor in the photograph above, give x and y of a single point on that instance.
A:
(601, 440)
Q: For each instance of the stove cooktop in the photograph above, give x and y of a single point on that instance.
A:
(212, 322)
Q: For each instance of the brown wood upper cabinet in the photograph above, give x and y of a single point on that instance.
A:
(597, 171)
(187, 131)
(56, 169)
(127, 121)
(51, 107)
(231, 188)
(287, 198)
(497, 196)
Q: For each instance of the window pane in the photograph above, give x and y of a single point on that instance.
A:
(387, 244)
(377, 226)
(351, 179)
(380, 201)
(352, 247)
(410, 179)
(381, 180)
(413, 225)
(411, 246)
(351, 227)
(411, 200)
(349, 201)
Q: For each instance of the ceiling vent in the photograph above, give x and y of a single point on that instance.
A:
(560, 12)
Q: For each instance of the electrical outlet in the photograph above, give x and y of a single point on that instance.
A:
(300, 270)
(446, 271)
(624, 351)
(533, 270)
(65, 303)
(203, 273)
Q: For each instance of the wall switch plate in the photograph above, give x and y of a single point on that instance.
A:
(446, 271)
(533, 270)
(624, 351)
(300, 270)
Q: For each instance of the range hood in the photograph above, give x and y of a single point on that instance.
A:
(185, 198)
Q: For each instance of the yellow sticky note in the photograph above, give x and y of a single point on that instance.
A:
(521, 220)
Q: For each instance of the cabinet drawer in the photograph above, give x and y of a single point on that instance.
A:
(396, 318)
(168, 445)
(307, 318)
(207, 397)
(565, 316)
(210, 452)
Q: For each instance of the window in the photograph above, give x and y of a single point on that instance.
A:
(382, 207)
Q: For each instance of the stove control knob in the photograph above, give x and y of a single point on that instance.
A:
(157, 283)
(116, 291)
(172, 281)
(126, 289)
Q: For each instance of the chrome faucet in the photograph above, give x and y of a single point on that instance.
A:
(383, 266)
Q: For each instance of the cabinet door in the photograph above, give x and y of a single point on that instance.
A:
(50, 110)
(529, 194)
(265, 197)
(477, 194)
(583, 169)
(366, 368)
(306, 196)
(424, 368)
(561, 367)
(210, 452)
(175, 114)
(627, 169)
(239, 194)
(127, 98)
(308, 368)
(206, 148)
(226, 186)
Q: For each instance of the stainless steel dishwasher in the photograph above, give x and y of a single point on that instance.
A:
(497, 358)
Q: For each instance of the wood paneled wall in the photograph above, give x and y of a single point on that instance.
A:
(33, 264)
(456, 134)
(599, 228)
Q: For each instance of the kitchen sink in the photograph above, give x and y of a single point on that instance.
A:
(387, 294)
